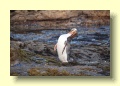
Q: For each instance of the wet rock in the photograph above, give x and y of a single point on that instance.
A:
(88, 62)
(14, 57)
(88, 57)
(102, 28)
(38, 60)
(59, 71)
(17, 44)
(35, 46)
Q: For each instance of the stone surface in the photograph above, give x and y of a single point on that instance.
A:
(31, 20)
(88, 60)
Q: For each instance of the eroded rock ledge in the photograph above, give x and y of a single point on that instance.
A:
(25, 20)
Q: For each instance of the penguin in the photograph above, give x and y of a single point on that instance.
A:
(63, 45)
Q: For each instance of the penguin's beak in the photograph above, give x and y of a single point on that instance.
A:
(74, 33)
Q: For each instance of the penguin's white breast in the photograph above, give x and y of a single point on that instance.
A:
(60, 47)
(61, 43)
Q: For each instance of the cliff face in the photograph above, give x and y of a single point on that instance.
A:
(56, 19)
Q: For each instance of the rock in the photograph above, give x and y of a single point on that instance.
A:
(26, 20)
(90, 55)
(14, 56)
(44, 15)
(17, 44)
(35, 46)
(87, 61)
(14, 62)
(38, 60)
(102, 28)
(53, 14)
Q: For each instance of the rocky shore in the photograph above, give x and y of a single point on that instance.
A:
(36, 56)
(34, 33)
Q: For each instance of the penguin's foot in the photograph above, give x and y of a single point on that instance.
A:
(69, 63)
(65, 64)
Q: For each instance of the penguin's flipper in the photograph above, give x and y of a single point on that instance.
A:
(69, 39)
(55, 47)
(64, 46)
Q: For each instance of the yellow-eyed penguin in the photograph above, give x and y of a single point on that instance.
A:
(63, 45)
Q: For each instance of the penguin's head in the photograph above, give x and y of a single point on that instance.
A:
(73, 32)
(74, 29)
